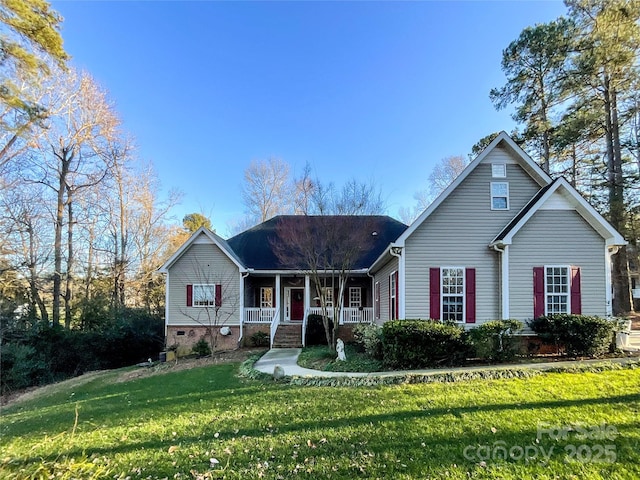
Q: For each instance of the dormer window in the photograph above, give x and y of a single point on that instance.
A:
(499, 196)
(499, 170)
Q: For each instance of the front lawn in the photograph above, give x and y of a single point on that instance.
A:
(208, 423)
(322, 358)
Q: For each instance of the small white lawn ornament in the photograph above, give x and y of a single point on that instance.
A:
(340, 350)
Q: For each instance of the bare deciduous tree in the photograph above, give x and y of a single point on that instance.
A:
(71, 162)
(445, 172)
(325, 247)
(266, 190)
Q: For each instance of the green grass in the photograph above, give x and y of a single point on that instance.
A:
(322, 358)
(171, 425)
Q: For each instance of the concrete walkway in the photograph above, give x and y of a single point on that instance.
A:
(287, 358)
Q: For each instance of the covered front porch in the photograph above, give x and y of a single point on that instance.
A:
(289, 299)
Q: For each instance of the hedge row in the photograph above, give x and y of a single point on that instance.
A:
(407, 344)
(47, 354)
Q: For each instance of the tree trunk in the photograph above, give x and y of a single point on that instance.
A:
(620, 275)
(36, 299)
(65, 156)
(68, 296)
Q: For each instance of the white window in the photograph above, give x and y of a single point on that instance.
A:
(498, 170)
(266, 297)
(355, 296)
(204, 295)
(327, 292)
(393, 297)
(499, 196)
(452, 293)
(557, 289)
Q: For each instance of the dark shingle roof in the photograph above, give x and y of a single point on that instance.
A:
(257, 247)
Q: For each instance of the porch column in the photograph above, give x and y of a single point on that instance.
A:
(307, 293)
(277, 295)
(241, 300)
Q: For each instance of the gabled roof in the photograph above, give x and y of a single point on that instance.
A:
(211, 237)
(503, 140)
(257, 247)
(558, 187)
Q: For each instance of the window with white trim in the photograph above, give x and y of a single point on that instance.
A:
(557, 281)
(498, 170)
(327, 293)
(204, 295)
(499, 195)
(452, 293)
(393, 297)
(355, 296)
(266, 297)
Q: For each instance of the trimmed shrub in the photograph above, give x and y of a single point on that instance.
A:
(495, 340)
(315, 334)
(260, 339)
(369, 339)
(581, 335)
(201, 348)
(423, 343)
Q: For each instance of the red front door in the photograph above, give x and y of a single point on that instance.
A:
(297, 304)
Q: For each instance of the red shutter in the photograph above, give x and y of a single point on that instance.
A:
(538, 292)
(470, 294)
(189, 295)
(576, 296)
(218, 295)
(434, 293)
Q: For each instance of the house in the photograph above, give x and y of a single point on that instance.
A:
(504, 240)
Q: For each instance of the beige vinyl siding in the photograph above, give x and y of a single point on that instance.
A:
(382, 276)
(203, 264)
(549, 238)
(458, 233)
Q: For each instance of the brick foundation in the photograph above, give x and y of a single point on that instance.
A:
(534, 345)
(185, 337)
(250, 329)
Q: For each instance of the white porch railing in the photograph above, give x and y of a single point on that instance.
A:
(259, 315)
(349, 314)
(318, 311)
(357, 315)
(273, 328)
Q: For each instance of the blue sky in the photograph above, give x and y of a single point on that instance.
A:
(378, 91)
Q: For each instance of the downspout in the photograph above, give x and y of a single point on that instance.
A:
(504, 279)
(166, 309)
(609, 251)
(242, 277)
